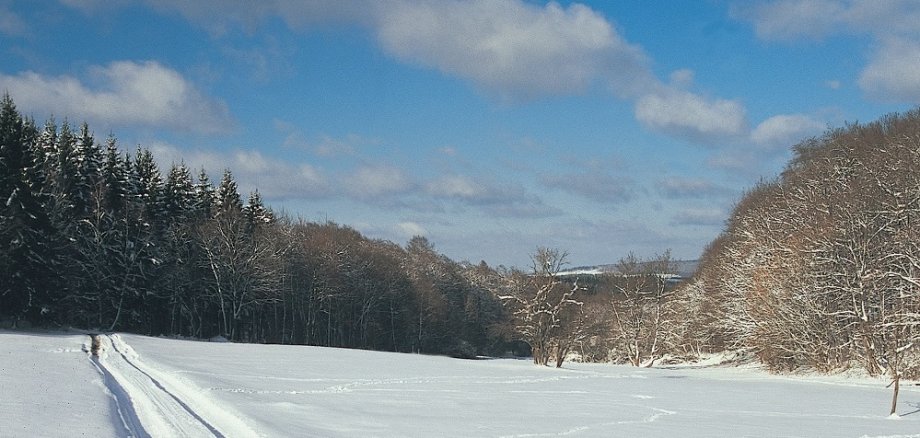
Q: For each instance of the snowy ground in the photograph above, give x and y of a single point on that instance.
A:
(51, 387)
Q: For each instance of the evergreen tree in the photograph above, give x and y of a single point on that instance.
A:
(179, 195)
(228, 196)
(114, 178)
(256, 213)
(204, 196)
(64, 178)
(148, 188)
(27, 254)
(46, 147)
(88, 173)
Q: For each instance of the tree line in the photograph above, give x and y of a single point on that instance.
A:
(93, 237)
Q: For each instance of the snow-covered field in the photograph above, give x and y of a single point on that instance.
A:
(50, 386)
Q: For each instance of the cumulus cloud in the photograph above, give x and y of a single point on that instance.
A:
(369, 182)
(129, 93)
(688, 115)
(893, 73)
(511, 47)
(785, 130)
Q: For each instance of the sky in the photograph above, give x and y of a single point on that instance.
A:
(490, 127)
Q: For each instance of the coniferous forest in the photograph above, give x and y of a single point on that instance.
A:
(95, 238)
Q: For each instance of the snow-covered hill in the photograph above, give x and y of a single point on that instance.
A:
(50, 386)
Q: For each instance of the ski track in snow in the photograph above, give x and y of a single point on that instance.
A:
(148, 406)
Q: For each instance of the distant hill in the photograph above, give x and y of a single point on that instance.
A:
(685, 269)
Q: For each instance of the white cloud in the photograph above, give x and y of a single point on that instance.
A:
(457, 186)
(377, 181)
(511, 47)
(785, 130)
(140, 94)
(688, 115)
(893, 73)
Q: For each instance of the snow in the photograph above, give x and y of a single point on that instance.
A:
(50, 386)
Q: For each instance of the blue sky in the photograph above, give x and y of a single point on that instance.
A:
(491, 127)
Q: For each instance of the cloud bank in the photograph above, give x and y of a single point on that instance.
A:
(123, 92)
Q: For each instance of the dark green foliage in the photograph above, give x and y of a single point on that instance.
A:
(228, 199)
(28, 256)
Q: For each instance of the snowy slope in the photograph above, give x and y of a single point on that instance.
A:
(50, 388)
(223, 389)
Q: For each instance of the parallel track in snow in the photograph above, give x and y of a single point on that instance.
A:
(147, 407)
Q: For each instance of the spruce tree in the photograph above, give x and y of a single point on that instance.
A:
(28, 262)
(204, 197)
(179, 194)
(148, 187)
(228, 196)
(114, 178)
(88, 173)
(256, 213)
